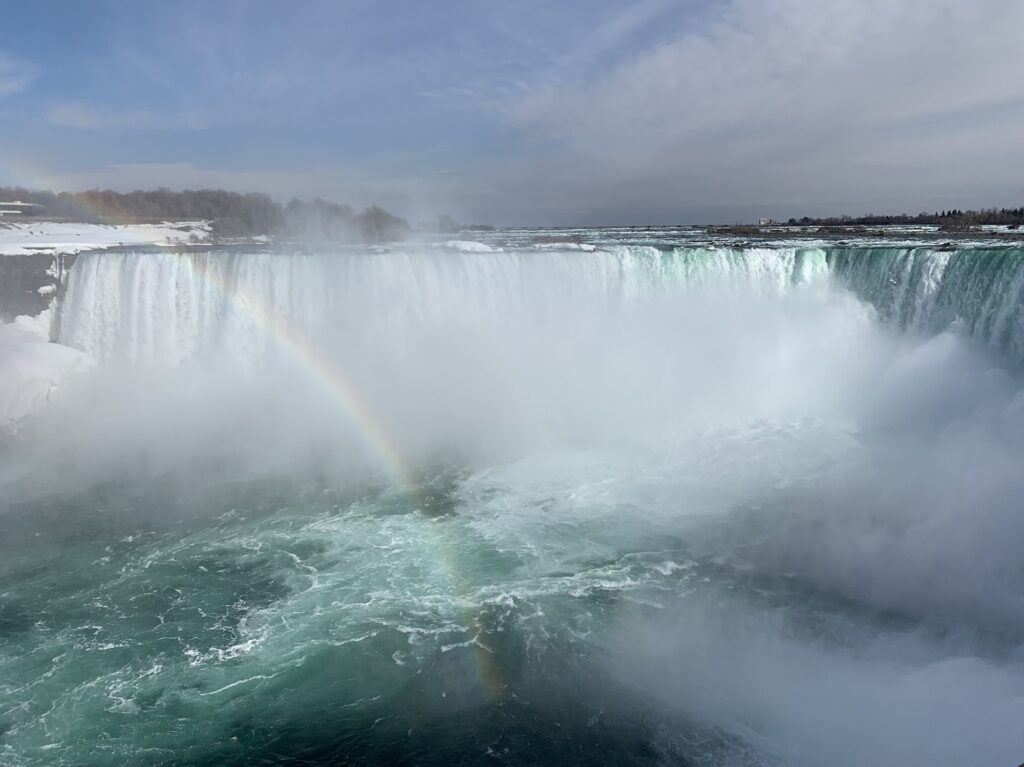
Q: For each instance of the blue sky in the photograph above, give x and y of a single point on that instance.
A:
(583, 111)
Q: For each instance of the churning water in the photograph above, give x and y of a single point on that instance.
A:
(587, 501)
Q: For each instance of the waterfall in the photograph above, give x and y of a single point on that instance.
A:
(141, 306)
(926, 290)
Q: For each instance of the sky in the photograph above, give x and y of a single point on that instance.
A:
(541, 112)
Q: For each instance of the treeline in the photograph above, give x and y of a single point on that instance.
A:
(947, 219)
(232, 214)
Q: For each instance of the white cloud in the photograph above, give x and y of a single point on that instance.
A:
(15, 75)
(613, 32)
(800, 97)
(86, 117)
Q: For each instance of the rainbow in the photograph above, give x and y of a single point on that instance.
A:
(348, 401)
(330, 380)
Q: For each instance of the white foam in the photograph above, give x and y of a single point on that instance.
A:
(468, 246)
(582, 246)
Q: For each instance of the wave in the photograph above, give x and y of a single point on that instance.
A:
(469, 246)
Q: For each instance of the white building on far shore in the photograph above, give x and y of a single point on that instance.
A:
(18, 208)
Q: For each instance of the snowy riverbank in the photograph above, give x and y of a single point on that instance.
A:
(32, 369)
(20, 238)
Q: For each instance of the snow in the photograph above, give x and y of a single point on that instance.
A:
(468, 246)
(24, 238)
(32, 370)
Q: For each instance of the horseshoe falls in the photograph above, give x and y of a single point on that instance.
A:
(590, 497)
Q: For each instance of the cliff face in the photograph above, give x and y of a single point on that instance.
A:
(29, 283)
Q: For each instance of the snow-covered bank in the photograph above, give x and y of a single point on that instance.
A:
(468, 246)
(18, 238)
(32, 369)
